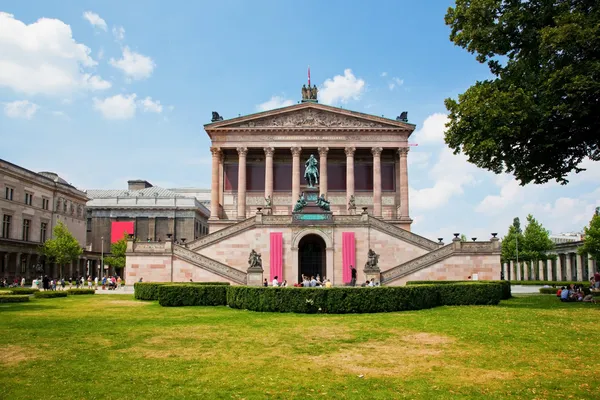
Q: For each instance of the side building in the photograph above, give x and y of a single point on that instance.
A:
(147, 212)
(31, 204)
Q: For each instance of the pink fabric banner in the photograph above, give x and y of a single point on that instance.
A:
(348, 255)
(276, 256)
(118, 230)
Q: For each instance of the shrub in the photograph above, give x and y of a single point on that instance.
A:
(149, 290)
(586, 290)
(50, 294)
(470, 294)
(18, 290)
(549, 283)
(506, 291)
(21, 298)
(72, 292)
(192, 295)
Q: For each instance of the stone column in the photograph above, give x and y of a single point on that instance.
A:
(323, 170)
(241, 198)
(511, 268)
(269, 151)
(376, 151)
(295, 173)
(27, 265)
(526, 271)
(542, 270)
(579, 267)
(549, 269)
(6, 257)
(214, 189)
(403, 151)
(349, 172)
(591, 266)
(17, 265)
(568, 267)
(71, 270)
(559, 276)
(221, 180)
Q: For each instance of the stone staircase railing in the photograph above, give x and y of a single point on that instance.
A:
(417, 264)
(210, 265)
(222, 234)
(403, 234)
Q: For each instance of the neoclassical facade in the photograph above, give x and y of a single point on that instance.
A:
(261, 202)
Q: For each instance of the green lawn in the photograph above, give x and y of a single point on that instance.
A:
(112, 346)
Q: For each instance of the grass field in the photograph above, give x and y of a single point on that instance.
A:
(92, 347)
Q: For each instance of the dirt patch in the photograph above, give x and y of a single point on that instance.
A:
(12, 355)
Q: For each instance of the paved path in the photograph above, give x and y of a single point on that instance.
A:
(121, 290)
(525, 289)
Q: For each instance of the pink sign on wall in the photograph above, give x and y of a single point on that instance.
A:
(276, 256)
(348, 255)
(118, 229)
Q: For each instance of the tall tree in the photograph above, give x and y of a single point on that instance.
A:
(591, 238)
(63, 248)
(538, 117)
(117, 250)
(512, 241)
(536, 240)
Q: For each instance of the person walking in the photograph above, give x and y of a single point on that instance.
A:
(353, 276)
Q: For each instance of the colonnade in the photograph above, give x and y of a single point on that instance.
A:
(564, 267)
(217, 171)
(22, 264)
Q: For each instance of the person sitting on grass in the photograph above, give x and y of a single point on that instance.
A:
(564, 294)
(559, 291)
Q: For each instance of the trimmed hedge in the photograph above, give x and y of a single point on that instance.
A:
(149, 290)
(192, 295)
(18, 290)
(549, 283)
(72, 292)
(506, 291)
(50, 294)
(344, 300)
(20, 298)
(550, 290)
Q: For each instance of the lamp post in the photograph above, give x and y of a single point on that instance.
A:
(102, 256)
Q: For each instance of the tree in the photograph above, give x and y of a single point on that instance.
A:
(591, 239)
(512, 241)
(538, 117)
(536, 240)
(117, 250)
(63, 248)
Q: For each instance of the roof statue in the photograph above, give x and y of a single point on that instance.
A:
(309, 93)
(216, 117)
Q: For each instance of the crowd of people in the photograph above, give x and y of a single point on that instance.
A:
(48, 283)
(315, 281)
(574, 293)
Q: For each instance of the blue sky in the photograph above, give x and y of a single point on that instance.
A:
(105, 91)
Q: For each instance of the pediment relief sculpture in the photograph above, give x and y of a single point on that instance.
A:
(311, 118)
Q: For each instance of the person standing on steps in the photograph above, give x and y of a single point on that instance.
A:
(353, 271)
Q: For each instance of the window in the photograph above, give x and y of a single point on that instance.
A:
(6, 226)
(43, 232)
(26, 225)
(28, 198)
(45, 203)
(9, 193)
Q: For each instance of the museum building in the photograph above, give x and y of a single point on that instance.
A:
(313, 189)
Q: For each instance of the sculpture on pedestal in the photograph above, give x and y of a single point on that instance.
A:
(301, 203)
(268, 201)
(372, 261)
(254, 260)
(312, 173)
(352, 203)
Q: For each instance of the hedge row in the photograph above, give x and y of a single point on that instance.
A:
(549, 283)
(340, 300)
(73, 292)
(586, 291)
(50, 294)
(18, 290)
(192, 295)
(506, 292)
(149, 290)
(21, 298)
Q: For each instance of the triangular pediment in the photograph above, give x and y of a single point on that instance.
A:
(312, 116)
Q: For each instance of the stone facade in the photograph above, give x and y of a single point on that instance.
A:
(362, 163)
(31, 204)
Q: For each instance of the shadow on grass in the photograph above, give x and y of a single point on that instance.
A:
(11, 307)
(544, 302)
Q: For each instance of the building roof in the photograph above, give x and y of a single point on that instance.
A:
(148, 192)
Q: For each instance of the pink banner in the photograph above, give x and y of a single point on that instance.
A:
(348, 255)
(118, 230)
(276, 256)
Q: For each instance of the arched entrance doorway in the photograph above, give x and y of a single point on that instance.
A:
(311, 257)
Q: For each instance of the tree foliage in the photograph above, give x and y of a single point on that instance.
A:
(591, 239)
(63, 247)
(512, 241)
(538, 117)
(117, 250)
(536, 240)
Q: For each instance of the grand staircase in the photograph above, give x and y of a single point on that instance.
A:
(209, 264)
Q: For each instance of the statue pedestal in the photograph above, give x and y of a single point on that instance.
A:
(267, 211)
(312, 213)
(254, 277)
(372, 274)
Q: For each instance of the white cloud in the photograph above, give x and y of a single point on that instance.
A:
(418, 159)
(20, 109)
(274, 102)
(60, 114)
(383, 74)
(342, 88)
(509, 192)
(101, 53)
(395, 82)
(118, 33)
(134, 65)
(433, 129)
(117, 107)
(152, 106)
(43, 58)
(95, 20)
